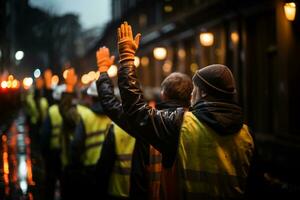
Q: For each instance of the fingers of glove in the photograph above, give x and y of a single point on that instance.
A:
(112, 59)
(122, 31)
(119, 34)
(130, 32)
(137, 39)
(125, 29)
(105, 52)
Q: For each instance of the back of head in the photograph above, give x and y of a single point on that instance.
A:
(178, 87)
(217, 81)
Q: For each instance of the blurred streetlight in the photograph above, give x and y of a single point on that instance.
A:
(4, 84)
(19, 55)
(27, 82)
(160, 53)
(181, 53)
(92, 75)
(290, 11)
(136, 61)
(112, 71)
(234, 37)
(37, 73)
(145, 61)
(206, 39)
(167, 67)
(65, 73)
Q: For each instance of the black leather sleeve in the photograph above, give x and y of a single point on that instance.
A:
(159, 128)
(111, 105)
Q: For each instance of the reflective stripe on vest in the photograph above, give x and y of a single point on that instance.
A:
(56, 124)
(155, 168)
(213, 165)
(119, 180)
(96, 128)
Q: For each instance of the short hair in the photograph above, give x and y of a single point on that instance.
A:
(178, 87)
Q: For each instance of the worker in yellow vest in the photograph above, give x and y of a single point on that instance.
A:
(210, 145)
(69, 111)
(89, 137)
(114, 165)
(51, 144)
(148, 171)
(85, 130)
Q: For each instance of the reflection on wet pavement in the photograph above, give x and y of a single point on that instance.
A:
(16, 161)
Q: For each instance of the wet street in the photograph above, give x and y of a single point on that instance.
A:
(21, 168)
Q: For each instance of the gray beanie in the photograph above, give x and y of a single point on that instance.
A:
(215, 79)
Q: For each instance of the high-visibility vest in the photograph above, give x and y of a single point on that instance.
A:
(56, 125)
(66, 139)
(35, 111)
(155, 169)
(96, 128)
(212, 166)
(120, 178)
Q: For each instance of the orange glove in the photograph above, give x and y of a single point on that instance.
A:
(71, 80)
(39, 83)
(126, 44)
(104, 61)
(48, 77)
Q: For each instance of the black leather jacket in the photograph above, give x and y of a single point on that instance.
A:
(140, 160)
(161, 128)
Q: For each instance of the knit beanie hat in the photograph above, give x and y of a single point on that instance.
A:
(215, 79)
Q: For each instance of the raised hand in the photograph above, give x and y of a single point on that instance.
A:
(39, 83)
(48, 77)
(104, 60)
(71, 80)
(126, 44)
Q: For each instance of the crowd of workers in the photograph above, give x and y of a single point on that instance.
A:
(193, 144)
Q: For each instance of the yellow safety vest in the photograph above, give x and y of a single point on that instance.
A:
(33, 111)
(65, 150)
(96, 128)
(213, 166)
(120, 179)
(56, 124)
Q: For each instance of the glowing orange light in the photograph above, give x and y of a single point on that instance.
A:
(85, 79)
(160, 53)
(207, 39)
(112, 71)
(92, 75)
(10, 77)
(65, 73)
(290, 11)
(54, 80)
(4, 84)
(15, 84)
(27, 82)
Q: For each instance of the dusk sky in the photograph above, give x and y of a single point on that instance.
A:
(91, 12)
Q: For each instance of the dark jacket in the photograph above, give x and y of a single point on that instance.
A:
(139, 175)
(78, 142)
(139, 183)
(162, 128)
